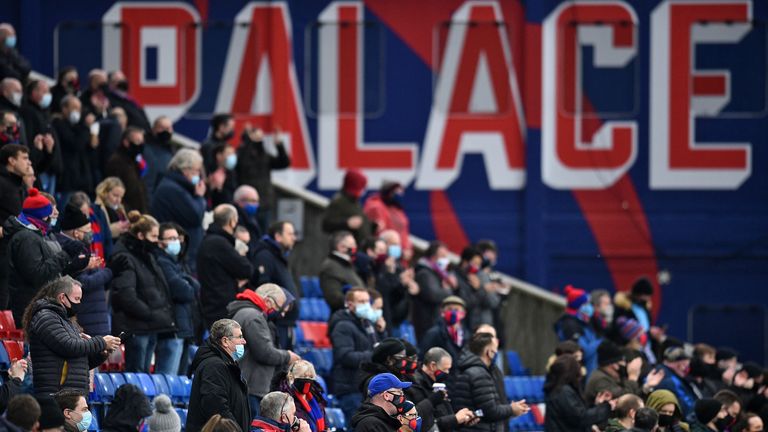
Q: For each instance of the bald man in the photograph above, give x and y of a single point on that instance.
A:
(222, 271)
(10, 95)
(12, 64)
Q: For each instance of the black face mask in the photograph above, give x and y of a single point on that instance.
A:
(164, 136)
(723, 423)
(122, 85)
(73, 307)
(228, 136)
(623, 372)
(440, 376)
(398, 402)
(666, 420)
(303, 385)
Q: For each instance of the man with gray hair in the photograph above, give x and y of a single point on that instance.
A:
(218, 386)
(222, 270)
(10, 95)
(246, 200)
(253, 310)
(278, 414)
(180, 198)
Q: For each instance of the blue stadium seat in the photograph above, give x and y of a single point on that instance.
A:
(509, 388)
(340, 419)
(320, 380)
(105, 388)
(187, 384)
(132, 378)
(299, 333)
(176, 388)
(146, 385)
(335, 418)
(327, 354)
(310, 287)
(94, 424)
(408, 333)
(117, 379)
(515, 364)
(305, 311)
(182, 412)
(161, 385)
(5, 360)
(324, 311)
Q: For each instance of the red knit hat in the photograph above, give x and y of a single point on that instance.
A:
(354, 183)
(575, 297)
(36, 205)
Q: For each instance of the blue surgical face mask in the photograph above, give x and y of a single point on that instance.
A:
(52, 222)
(45, 102)
(251, 209)
(195, 180)
(10, 41)
(239, 352)
(364, 311)
(173, 248)
(83, 424)
(376, 314)
(231, 162)
(395, 251)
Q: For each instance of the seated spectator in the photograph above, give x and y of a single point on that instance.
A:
(337, 273)
(222, 270)
(278, 414)
(77, 417)
(449, 333)
(395, 283)
(344, 211)
(618, 376)
(646, 420)
(353, 337)
(56, 342)
(627, 406)
(576, 325)
(51, 417)
(475, 388)
(385, 402)
(676, 367)
(23, 413)
(164, 418)
(246, 201)
(435, 284)
(141, 298)
(109, 198)
(710, 416)
(158, 152)
(222, 180)
(300, 381)
(665, 403)
(10, 102)
(78, 141)
(127, 411)
(385, 210)
(180, 198)
(128, 165)
(566, 409)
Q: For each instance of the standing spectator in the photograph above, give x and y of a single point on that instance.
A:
(337, 273)
(222, 130)
(665, 403)
(602, 318)
(158, 152)
(23, 413)
(395, 283)
(475, 388)
(12, 64)
(43, 148)
(496, 373)
(14, 165)
(141, 299)
(618, 376)
(270, 264)
(128, 165)
(67, 84)
(222, 181)
(75, 238)
(109, 199)
(218, 386)
(435, 284)
(301, 383)
(77, 417)
(78, 143)
(711, 416)
(246, 200)
(179, 198)
(279, 415)
(638, 307)
(566, 410)
(389, 356)
(481, 300)
(385, 402)
(385, 210)
(119, 97)
(127, 411)
(676, 366)
(223, 271)
(352, 337)
(217, 423)
(56, 341)
(184, 293)
(93, 98)
(33, 262)
(253, 310)
(164, 418)
(449, 333)
(705, 378)
(255, 166)
(10, 96)
(627, 406)
(344, 211)
(576, 325)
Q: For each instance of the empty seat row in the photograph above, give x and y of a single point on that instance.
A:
(530, 388)
(321, 358)
(10, 350)
(310, 287)
(335, 419)
(314, 309)
(177, 387)
(515, 364)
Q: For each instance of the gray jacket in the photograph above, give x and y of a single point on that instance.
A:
(261, 358)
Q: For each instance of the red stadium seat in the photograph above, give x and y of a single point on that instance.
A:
(8, 328)
(15, 349)
(315, 333)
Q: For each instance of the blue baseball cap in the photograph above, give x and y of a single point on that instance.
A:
(383, 382)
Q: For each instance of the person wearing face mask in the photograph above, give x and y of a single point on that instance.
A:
(475, 388)
(222, 181)
(665, 403)
(247, 201)
(222, 130)
(128, 164)
(385, 210)
(624, 415)
(676, 367)
(279, 415)
(109, 200)
(10, 129)
(127, 411)
(435, 284)
(602, 318)
(481, 298)
(733, 404)
(353, 337)
(389, 356)
(158, 152)
(12, 64)
(300, 381)
(75, 239)
(637, 305)
(32, 262)
(68, 83)
(77, 416)
(450, 332)
(338, 271)
(618, 376)
(710, 416)
(141, 299)
(395, 282)
(44, 150)
(119, 96)
(384, 406)
(253, 310)
(78, 147)
(180, 198)
(576, 325)
(10, 96)
(410, 420)
(344, 211)
(63, 354)
(218, 386)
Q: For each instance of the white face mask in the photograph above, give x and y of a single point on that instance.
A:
(16, 98)
(74, 117)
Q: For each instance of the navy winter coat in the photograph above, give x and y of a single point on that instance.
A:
(270, 265)
(352, 345)
(184, 292)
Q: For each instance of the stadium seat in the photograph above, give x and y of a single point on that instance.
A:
(187, 385)
(407, 332)
(324, 311)
(301, 342)
(182, 412)
(161, 385)
(5, 361)
(310, 287)
(104, 388)
(307, 309)
(515, 364)
(132, 378)
(320, 380)
(176, 388)
(15, 349)
(117, 379)
(316, 333)
(147, 385)
(335, 418)
(8, 329)
(94, 424)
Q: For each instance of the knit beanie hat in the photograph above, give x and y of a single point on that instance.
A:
(36, 205)
(575, 297)
(72, 218)
(642, 286)
(354, 182)
(386, 348)
(629, 328)
(164, 418)
(608, 353)
(707, 409)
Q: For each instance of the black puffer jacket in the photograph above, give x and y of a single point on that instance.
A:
(255, 165)
(474, 388)
(270, 265)
(567, 412)
(372, 418)
(141, 300)
(217, 388)
(62, 358)
(431, 406)
(352, 345)
(127, 410)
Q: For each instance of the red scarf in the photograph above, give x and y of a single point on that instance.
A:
(254, 298)
(316, 414)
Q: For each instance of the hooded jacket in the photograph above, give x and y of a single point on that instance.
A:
(569, 327)
(62, 358)
(372, 418)
(352, 345)
(261, 357)
(340, 209)
(475, 389)
(658, 399)
(217, 388)
(126, 411)
(270, 265)
(431, 406)
(567, 412)
(268, 425)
